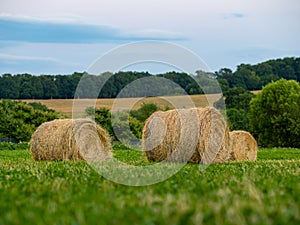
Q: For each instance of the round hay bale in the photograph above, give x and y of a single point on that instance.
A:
(213, 145)
(153, 136)
(163, 139)
(243, 146)
(194, 135)
(68, 139)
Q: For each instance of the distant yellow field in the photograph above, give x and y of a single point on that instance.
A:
(64, 106)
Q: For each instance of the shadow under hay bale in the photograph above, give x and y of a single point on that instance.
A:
(197, 135)
(67, 139)
(243, 146)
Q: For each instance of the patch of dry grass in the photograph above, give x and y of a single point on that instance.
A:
(64, 106)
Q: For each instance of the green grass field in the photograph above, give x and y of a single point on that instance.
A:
(262, 192)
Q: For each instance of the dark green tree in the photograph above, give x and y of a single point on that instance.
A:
(238, 98)
(102, 116)
(117, 124)
(297, 68)
(66, 84)
(144, 111)
(19, 120)
(37, 90)
(49, 87)
(238, 119)
(25, 86)
(274, 114)
(246, 77)
(9, 87)
(237, 102)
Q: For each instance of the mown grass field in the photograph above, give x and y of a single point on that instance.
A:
(262, 192)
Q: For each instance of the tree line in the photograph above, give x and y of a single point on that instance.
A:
(246, 76)
(254, 77)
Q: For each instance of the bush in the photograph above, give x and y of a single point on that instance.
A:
(18, 120)
(237, 101)
(120, 125)
(14, 146)
(102, 117)
(144, 111)
(124, 126)
(238, 98)
(237, 119)
(274, 114)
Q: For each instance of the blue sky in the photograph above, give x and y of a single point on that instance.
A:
(52, 37)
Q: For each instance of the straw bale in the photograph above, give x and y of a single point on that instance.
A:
(68, 139)
(243, 146)
(213, 145)
(194, 135)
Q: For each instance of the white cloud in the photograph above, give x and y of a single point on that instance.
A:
(48, 19)
(23, 57)
(55, 30)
